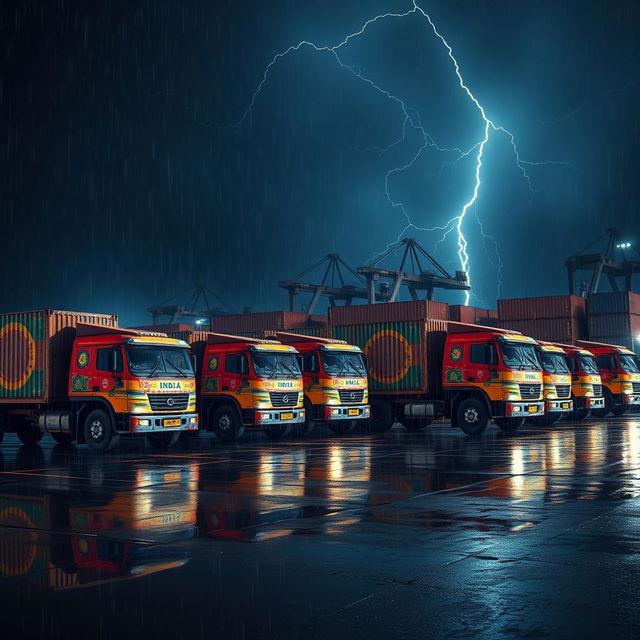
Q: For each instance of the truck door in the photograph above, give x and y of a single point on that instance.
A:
(236, 368)
(607, 366)
(482, 363)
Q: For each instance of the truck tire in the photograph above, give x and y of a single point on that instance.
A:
(304, 429)
(98, 431)
(29, 435)
(278, 431)
(63, 438)
(382, 418)
(509, 425)
(160, 440)
(472, 416)
(608, 405)
(226, 423)
(619, 409)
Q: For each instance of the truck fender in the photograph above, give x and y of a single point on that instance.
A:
(82, 407)
(209, 405)
(457, 396)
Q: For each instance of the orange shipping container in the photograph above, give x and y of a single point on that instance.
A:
(541, 308)
(388, 312)
(35, 350)
(242, 323)
(565, 330)
(470, 315)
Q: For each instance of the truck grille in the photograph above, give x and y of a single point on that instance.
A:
(530, 391)
(284, 399)
(597, 390)
(168, 401)
(563, 390)
(636, 387)
(351, 395)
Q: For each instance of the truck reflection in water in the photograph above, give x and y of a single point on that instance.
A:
(63, 537)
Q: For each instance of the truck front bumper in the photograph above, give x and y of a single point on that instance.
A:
(560, 405)
(277, 416)
(523, 409)
(593, 403)
(630, 399)
(358, 412)
(165, 422)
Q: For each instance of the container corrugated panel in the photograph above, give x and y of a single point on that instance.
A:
(470, 315)
(273, 320)
(613, 324)
(35, 350)
(551, 329)
(614, 302)
(388, 312)
(541, 307)
(404, 357)
(166, 328)
(624, 340)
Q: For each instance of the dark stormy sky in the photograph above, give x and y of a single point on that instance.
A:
(124, 180)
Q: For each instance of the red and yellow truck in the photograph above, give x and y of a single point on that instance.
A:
(556, 383)
(335, 381)
(246, 383)
(421, 369)
(620, 376)
(586, 384)
(80, 377)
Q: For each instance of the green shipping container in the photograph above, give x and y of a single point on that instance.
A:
(404, 357)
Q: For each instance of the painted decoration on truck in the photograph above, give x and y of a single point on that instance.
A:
(21, 356)
(83, 359)
(456, 353)
(390, 356)
(80, 384)
(453, 375)
(213, 363)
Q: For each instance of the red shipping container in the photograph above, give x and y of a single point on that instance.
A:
(542, 307)
(614, 324)
(470, 315)
(388, 312)
(243, 323)
(551, 329)
(614, 302)
(165, 328)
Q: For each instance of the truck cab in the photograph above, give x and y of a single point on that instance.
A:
(123, 381)
(620, 376)
(556, 383)
(335, 381)
(490, 373)
(249, 383)
(586, 384)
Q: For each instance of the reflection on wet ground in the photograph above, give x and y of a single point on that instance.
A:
(407, 535)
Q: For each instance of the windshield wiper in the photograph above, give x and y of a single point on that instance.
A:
(177, 368)
(155, 368)
(287, 367)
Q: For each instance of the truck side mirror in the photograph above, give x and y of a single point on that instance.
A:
(193, 361)
(244, 365)
(491, 356)
(365, 359)
(113, 361)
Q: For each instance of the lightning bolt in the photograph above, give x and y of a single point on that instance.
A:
(412, 119)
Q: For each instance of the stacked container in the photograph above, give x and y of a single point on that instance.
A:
(614, 318)
(473, 315)
(248, 323)
(552, 318)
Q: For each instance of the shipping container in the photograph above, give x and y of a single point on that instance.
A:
(404, 356)
(243, 323)
(541, 308)
(614, 302)
(471, 315)
(35, 350)
(621, 340)
(614, 324)
(564, 330)
(388, 312)
(167, 328)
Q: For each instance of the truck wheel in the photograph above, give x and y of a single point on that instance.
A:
(619, 409)
(304, 429)
(278, 431)
(163, 440)
(509, 425)
(545, 420)
(381, 416)
(98, 431)
(472, 416)
(29, 435)
(63, 438)
(226, 424)
(341, 427)
(608, 406)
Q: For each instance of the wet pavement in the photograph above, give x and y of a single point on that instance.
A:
(400, 535)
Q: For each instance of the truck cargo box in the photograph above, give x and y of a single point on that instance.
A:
(35, 350)
(405, 357)
(388, 312)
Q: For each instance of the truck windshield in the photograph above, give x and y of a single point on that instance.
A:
(588, 364)
(554, 362)
(153, 361)
(343, 363)
(275, 365)
(628, 363)
(519, 356)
